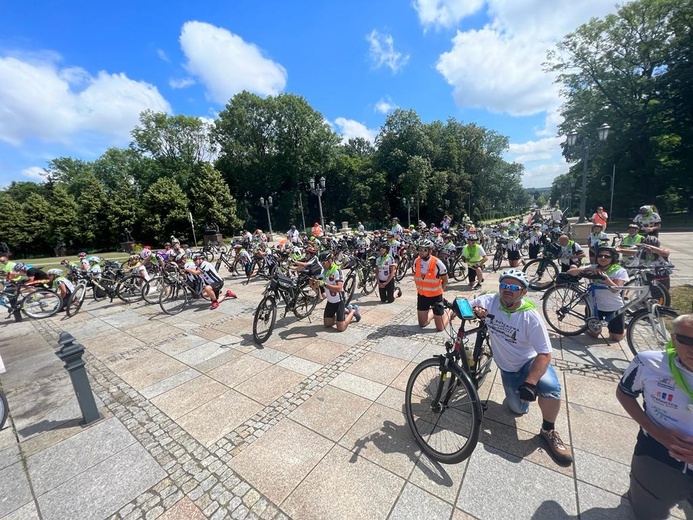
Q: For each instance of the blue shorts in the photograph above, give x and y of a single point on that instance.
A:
(548, 386)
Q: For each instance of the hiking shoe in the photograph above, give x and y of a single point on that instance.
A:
(231, 294)
(215, 304)
(399, 293)
(560, 452)
(357, 313)
(477, 286)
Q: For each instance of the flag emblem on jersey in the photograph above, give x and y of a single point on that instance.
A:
(665, 396)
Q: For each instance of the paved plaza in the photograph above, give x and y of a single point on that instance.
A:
(199, 422)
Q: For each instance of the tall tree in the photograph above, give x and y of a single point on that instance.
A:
(166, 212)
(211, 200)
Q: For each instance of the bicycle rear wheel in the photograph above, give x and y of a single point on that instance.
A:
(541, 273)
(152, 289)
(370, 281)
(647, 332)
(402, 267)
(4, 410)
(263, 322)
(173, 298)
(305, 303)
(129, 289)
(42, 303)
(566, 310)
(459, 271)
(349, 287)
(74, 302)
(497, 259)
(443, 411)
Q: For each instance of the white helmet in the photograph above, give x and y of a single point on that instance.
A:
(517, 274)
(54, 272)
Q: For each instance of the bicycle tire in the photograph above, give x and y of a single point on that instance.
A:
(566, 310)
(100, 292)
(209, 255)
(174, 298)
(370, 281)
(129, 289)
(436, 427)
(152, 289)
(76, 299)
(4, 410)
(524, 248)
(460, 271)
(658, 293)
(264, 319)
(349, 287)
(643, 334)
(402, 268)
(541, 273)
(305, 303)
(41, 303)
(497, 260)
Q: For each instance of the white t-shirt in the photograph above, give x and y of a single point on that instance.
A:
(608, 300)
(666, 404)
(647, 221)
(385, 265)
(516, 337)
(332, 279)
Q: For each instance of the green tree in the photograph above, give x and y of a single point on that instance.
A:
(212, 201)
(166, 212)
(64, 216)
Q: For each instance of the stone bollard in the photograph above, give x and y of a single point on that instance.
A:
(71, 354)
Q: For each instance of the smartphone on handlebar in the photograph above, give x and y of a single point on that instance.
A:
(463, 309)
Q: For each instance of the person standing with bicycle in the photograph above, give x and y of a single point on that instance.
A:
(661, 472)
(336, 310)
(430, 277)
(608, 300)
(522, 351)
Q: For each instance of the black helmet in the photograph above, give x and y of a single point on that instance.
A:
(651, 241)
(611, 250)
(325, 256)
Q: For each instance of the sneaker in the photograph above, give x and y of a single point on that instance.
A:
(215, 304)
(348, 307)
(477, 286)
(231, 294)
(399, 292)
(557, 448)
(357, 314)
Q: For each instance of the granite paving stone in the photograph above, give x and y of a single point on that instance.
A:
(14, 489)
(441, 480)
(188, 396)
(402, 348)
(26, 512)
(601, 472)
(201, 353)
(322, 351)
(269, 384)
(377, 367)
(417, 503)
(600, 504)
(300, 365)
(269, 354)
(358, 385)
(169, 383)
(602, 441)
(238, 370)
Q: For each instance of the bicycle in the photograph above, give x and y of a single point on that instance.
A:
(570, 310)
(4, 407)
(364, 275)
(500, 253)
(542, 272)
(442, 403)
(296, 294)
(37, 303)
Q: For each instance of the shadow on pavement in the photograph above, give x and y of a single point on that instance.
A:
(46, 425)
(551, 510)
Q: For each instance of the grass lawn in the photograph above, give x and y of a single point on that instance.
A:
(49, 262)
(682, 298)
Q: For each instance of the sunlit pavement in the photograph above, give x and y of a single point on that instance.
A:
(199, 422)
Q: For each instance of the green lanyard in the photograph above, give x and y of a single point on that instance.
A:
(678, 376)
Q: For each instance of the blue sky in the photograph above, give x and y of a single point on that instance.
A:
(74, 76)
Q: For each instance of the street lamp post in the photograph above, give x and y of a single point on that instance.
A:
(318, 188)
(267, 204)
(572, 138)
(612, 177)
(409, 202)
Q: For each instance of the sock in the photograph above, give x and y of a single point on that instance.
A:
(547, 426)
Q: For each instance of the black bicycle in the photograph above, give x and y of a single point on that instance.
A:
(34, 301)
(296, 293)
(442, 404)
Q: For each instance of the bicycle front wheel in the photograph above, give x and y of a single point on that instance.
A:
(263, 322)
(305, 303)
(173, 298)
(349, 287)
(566, 310)
(459, 271)
(152, 289)
(74, 302)
(4, 410)
(129, 289)
(541, 273)
(497, 260)
(42, 303)
(650, 332)
(443, 411)
(370, 281)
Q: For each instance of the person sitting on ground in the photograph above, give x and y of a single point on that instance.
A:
(571, 254)
(522, 351)
(82, 259)
(362, 245)
(628, 246)
(387, 268)
(600, 217)
(610, 299)
(336, 311)
(648, 220)
(212, 281)
(596, 238)
(60, 284)
(431, 278)
(661, 471)
(145, 260)
(475, 256)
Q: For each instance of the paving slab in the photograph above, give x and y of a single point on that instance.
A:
(401, 348)
(269, 384)
(188, 396)
(26, 512)
(358, 385)
(14, 488)
(414, 502)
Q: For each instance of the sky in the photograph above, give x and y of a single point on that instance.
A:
(74, 76)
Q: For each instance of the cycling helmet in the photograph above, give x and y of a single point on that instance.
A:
(238, 246)
(146, 253)
(179, 257)
(536, 225)
(19, 266)
(597, 224)
(473, 238)
(197, 256)
(82, 255)
(644, 210)
(633, 226)
(311, 250)
(426, 243)
(94, 260)
(325, 256)
(611, 250)
(54, 272)
(517, 274)
(65, 262)
(651, 241)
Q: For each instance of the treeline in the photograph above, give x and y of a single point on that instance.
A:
(216, 172)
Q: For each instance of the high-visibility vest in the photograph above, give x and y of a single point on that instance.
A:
(428, 284)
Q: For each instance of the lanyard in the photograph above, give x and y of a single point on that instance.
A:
(678, 376)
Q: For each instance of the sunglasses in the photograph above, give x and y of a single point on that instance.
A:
(510, 286)
(423, 250)
(604, 256)
(685, 340)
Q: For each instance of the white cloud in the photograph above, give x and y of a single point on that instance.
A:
(533, 151)
(35, 173)
(445, 13)
(39, 100)
(181, 83)
(382, 52)
(499, 67)
(542, 176)
(349, 129)
(162, 54)
(385, 105)
(227, 65)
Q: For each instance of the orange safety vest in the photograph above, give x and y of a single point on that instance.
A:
(429, 284)
(317, 231)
